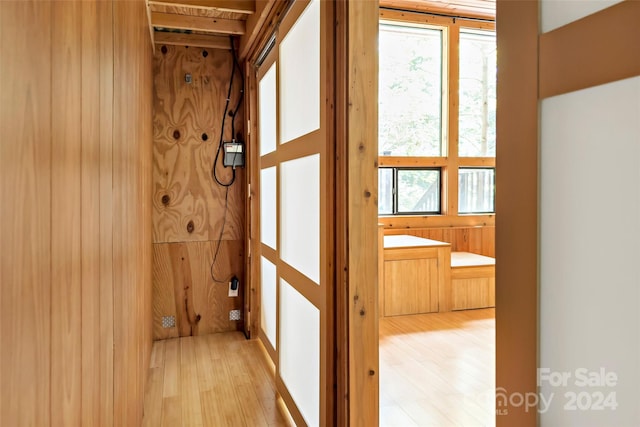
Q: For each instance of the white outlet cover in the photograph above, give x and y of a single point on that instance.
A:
(233, 293)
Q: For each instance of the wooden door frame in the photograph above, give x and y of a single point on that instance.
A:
(517, 207)
(356, 186)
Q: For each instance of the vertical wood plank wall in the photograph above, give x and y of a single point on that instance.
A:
(188, 206)
(75, 217)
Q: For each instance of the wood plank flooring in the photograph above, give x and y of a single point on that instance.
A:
(210, 380)
(438, 369)
(435, 370)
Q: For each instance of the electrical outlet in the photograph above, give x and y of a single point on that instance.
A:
(234, 284)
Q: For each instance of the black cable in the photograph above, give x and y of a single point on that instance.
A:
(224, 116)
(224, 221)
(233, 114)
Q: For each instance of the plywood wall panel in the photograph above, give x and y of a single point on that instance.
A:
(187, 204)
(25, 222)
(184, 288)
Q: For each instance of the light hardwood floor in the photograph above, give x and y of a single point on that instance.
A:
(438, 369)
(210, 380)
(435, 370)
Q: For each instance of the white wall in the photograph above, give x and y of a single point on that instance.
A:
(590, 247)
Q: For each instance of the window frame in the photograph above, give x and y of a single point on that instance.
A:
(395, 193)
(449, 162)
(493, 169)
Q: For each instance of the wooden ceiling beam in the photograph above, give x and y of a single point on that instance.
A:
(194, 40)
(475, 9)
(255, 24)
(246, 7)
(197, 23)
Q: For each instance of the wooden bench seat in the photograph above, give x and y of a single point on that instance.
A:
(472, 281)
(415, 275)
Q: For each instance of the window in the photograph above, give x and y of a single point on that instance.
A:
(437, 116)
(477, 91)
(476, 190)
(409, 190)
(410, 91)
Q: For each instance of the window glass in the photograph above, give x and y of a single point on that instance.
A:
(385, 191)
(418, 190)
(477, 107)
(410, 91)
(476, 190)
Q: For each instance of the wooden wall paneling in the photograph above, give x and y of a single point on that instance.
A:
(66, 116)
(106, 333)
(475, 242)
(124, 384)
(184, 190)
(489, 241)
(146, 154)
(77, 222)
(132, 106)
(25, 227)
(183, 287)
(437, 221)
(90, 83)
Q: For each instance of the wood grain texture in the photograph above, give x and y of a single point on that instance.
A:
(411, 286)
(216, 9)
(182, 165)
(479, 240)
(183, 287)
(90, 213)
(211, 380)
(361, 73)
(482, 9)
(438, 369)
(479, 292)
(66, 268)
(417, 276)
(106, 333)
(25, 215)
(197, 23)
(73, 194)
(197, 40)
(132, 136)
(437, 221)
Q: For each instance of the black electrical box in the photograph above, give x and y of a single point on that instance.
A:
(233, 154)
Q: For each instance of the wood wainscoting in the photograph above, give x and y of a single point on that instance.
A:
(75, 222)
